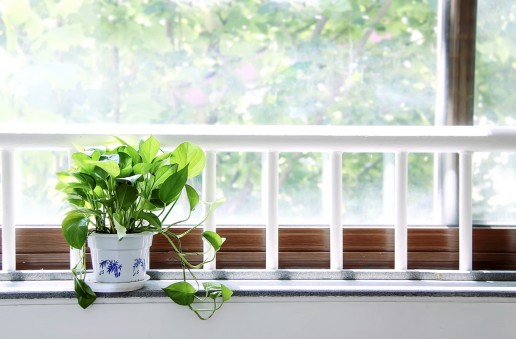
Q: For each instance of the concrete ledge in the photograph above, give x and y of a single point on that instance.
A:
(286, 283)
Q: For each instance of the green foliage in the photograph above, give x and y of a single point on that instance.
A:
(132, 190)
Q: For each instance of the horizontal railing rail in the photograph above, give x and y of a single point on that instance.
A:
(270, 140)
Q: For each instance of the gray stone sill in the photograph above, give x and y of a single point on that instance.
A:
(286, 283)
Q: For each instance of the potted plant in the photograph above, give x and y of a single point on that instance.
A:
(120, 197)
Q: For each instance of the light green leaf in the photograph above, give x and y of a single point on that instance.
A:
(83, 162)
(121, 231)
(214, 239)
(132, 179)
(191, 155)
(110, 166)
(182, 293)
(75, 228)
(142, 168)
(226, 292)
(149, 148)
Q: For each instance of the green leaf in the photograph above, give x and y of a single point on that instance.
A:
(193, 196)
(75, 228)
(142, 168)
(132, 179)
(133, 153)
(126, 195)
(83, 162)
(214, 239)
(110, 166)
(151, 218)
(182, 293)
(171, 188)
(149, 148)
(163, 173)
(191, 155)
(226, 292)
(85, 295)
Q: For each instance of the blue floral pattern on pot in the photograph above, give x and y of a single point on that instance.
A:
(139, 262)
(112, 266)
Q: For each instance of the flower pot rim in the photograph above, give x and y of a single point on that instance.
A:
(115, 235)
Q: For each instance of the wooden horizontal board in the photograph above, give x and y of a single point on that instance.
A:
(429, 248)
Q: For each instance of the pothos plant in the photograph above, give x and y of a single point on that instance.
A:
(129, 189)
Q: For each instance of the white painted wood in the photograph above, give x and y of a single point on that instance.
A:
(276, 138)
(336, 242)
(8, 211)
(465, 212)
(400, 225)
(270, 182)
(209, 187)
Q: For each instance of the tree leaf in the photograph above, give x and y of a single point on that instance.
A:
(85, 295)
(182, 293)
(214, 239)
(75, 228)
(149, 148)
(193, 196)
(191, 155)
(171, 188)
(126, 195)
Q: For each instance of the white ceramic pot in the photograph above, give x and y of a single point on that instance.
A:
(121, 261)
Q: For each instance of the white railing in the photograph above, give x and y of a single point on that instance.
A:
(270, 140)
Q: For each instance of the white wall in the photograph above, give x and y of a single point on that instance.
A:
(330, 317)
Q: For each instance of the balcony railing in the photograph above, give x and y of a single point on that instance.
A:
(270, 140)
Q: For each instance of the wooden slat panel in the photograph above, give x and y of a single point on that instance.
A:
(167, 260)
(243, 260)
(430, 248)
(40, 240)
(248, 239)
(369, 260)
(368, 239)
(304, 259)
(190, 243)
(433, 240)
(304, 240)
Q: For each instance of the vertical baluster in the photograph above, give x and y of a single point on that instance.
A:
(335, 191)
(8, 209)
(465, 213)
(400, 226)
(270, 182)
(209, 192)
(75, 254)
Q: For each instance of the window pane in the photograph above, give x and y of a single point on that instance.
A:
(38, 202)
(239, 182)
(300, 189)
(218, 62)
(495, 76)
(420, 189)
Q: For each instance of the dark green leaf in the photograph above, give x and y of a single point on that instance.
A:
(193, 196)
(85, 295)
(151, 218)
(126, 195)
(170, 189)
(182, 293)
(75, 229)
(214, 239)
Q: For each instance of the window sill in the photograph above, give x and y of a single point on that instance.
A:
(286, 283)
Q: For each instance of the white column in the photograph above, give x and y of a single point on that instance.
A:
(400, 226)
(465, 213)
(209, 191)
(270, 182)
(335, 192)
(8, 209)
(75, 254)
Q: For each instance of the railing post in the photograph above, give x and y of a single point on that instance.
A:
(75, 254)
(465, 212)
(209, 191)
(8, 209)
(335, 192)
(270, 182)
(400, 226)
